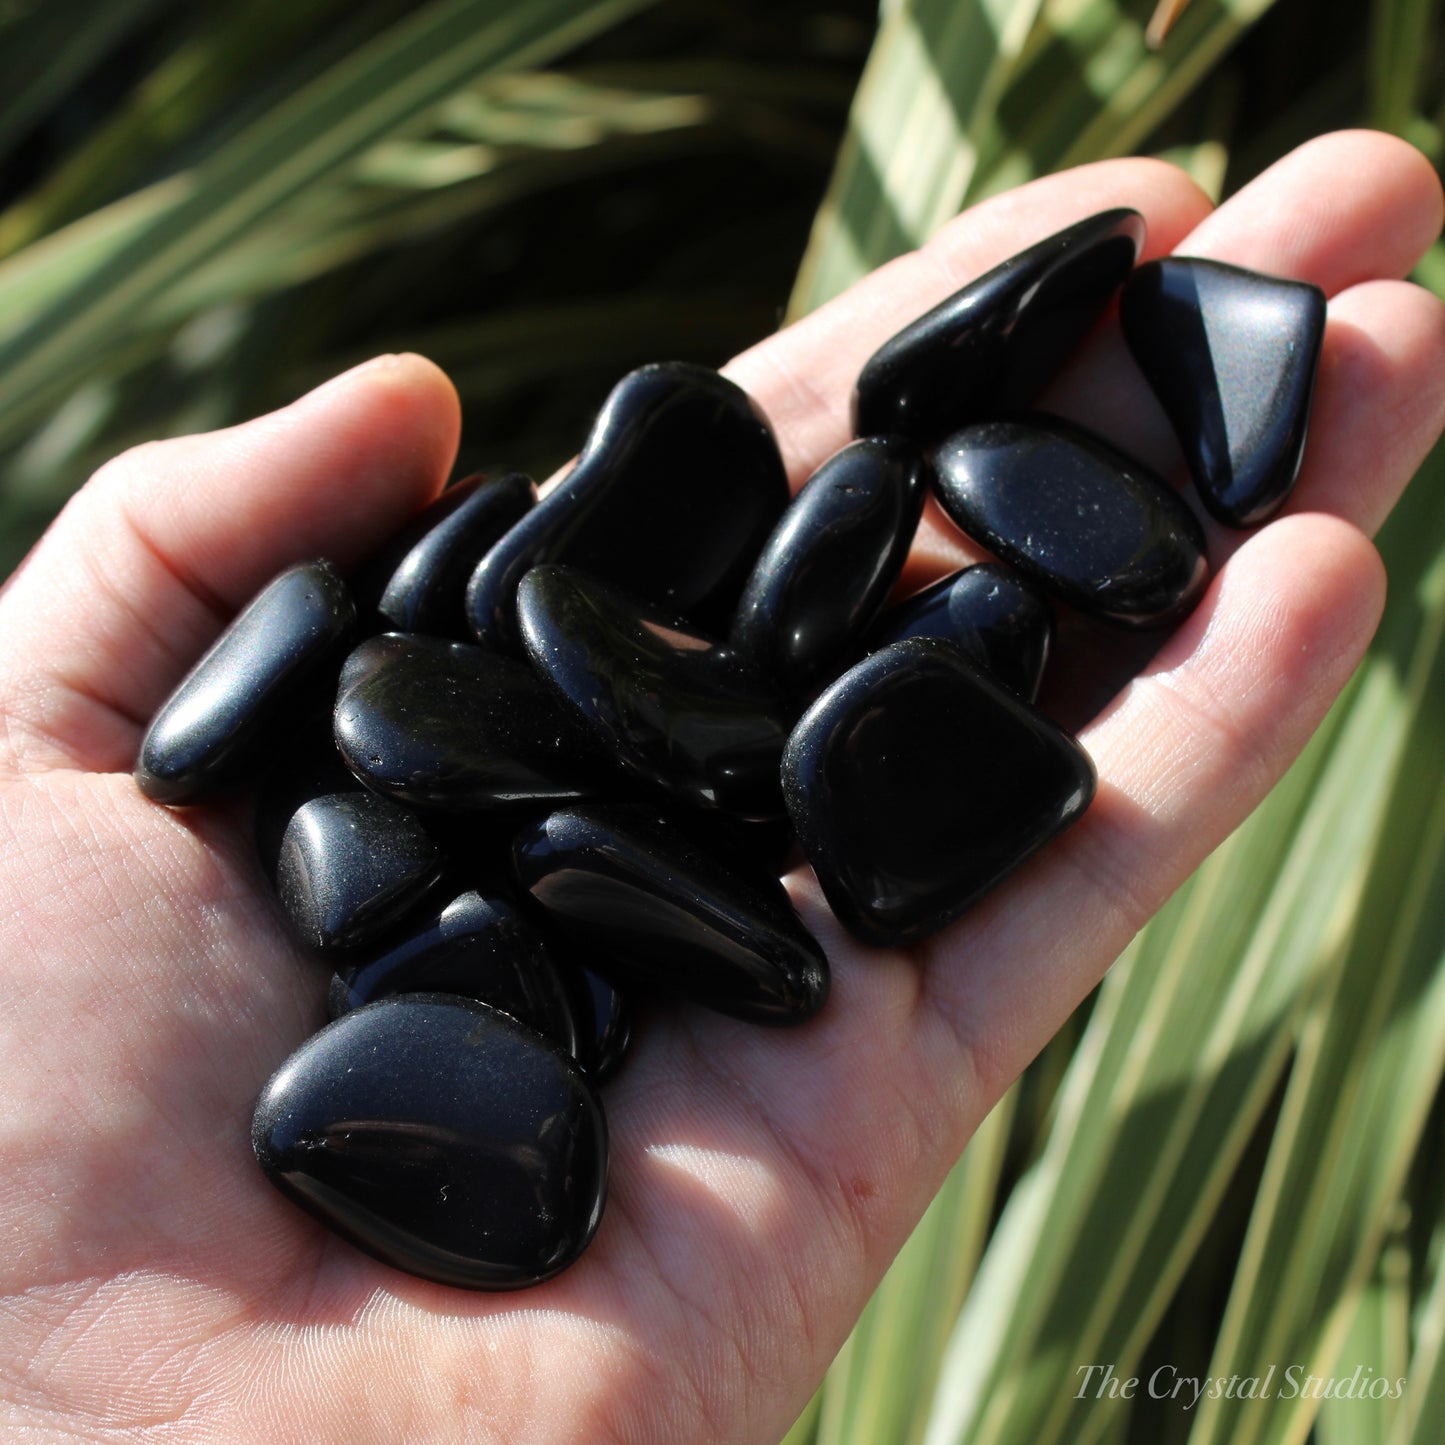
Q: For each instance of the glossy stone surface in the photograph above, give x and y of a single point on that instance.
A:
(610, 1036)
(1232, 357)
(479, 947)
(450, 726)
(917, 782)
(677, 488)
(659, 913)
(350, 864)
(443, 1138)
(428, 566)
(222, 725)
(831, 562)
(992, 616)
(994, 345)
(1089, 525)
(678, 710)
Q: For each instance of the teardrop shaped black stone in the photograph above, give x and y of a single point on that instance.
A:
(479, 947)
(676, 490)
(419, 582)
(1232, 356)
(992, 616)
(449, 726)
(350, 864)
(917, 783)
(678, 710)
(994, 345)
(660, 913)
(1089, 525)
(232, 713)
(443, 1138)
(831, 562)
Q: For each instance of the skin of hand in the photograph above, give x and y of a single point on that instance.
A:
(154, 1285)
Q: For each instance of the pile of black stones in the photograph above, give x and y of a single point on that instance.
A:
(536, 759)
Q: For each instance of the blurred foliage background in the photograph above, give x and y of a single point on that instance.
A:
(1228, 1160)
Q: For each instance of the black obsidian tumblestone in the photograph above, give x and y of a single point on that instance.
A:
(350, 864)
(679, 711)
(479, 947)
(1232, 356)
(419, 582)
(450, 726)
(660, 913)
(831, 562)
(610, 1036)
(993, 346)
(992, 616)
(442, 1137)
(917, 782)
(1093, 527)
(237, 705)
(677, 488)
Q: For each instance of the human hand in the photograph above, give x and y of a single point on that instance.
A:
(154, 1284)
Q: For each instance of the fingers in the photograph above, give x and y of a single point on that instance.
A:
(1346, 208)
(164, 544)
(803, 377)
(1185, 753)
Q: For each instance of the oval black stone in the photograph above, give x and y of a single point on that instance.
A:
(449, 726)
(1091, 526)
(993, 617)
(479, 947)
(676, 490)
(443, 1138)
(420, 582)
(994, 345)
(350, 864)
(917, 782)
(1232, 357)
(658, 912)
(678, 710)
(226, 720)
(831, 562)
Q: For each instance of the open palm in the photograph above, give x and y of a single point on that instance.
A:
(155, 1285)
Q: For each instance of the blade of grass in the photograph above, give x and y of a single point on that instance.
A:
(279, 158)
(1371, 1058)
(935, 72)
(1377, 1345)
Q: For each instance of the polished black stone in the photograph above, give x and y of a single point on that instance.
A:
(660, 913)
(831, 562)
(917, 782)
(418, 583)
(676, 490)
(992, 616)
(223, 724)
(1093, 527)
(995, 344)
(1232, 356)
(479, 947)
(610, 1036)
(350, 864)
(677, 710)
(442, 1137)
(450, 726)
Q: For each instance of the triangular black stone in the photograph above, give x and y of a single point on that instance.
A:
(916, 783)
(1232, 357)
(995, 344)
